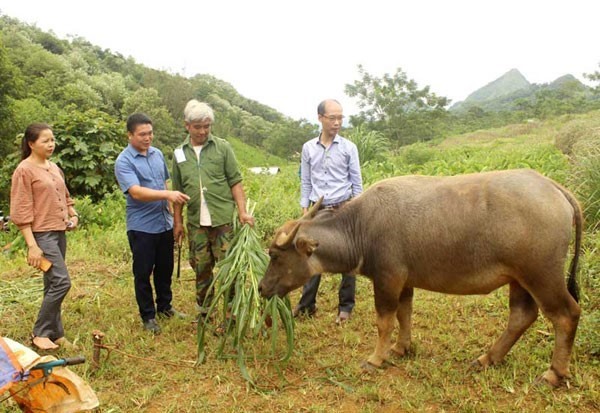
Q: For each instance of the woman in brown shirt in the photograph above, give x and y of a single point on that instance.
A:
(42, 209)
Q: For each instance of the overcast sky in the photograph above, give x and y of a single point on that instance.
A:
(291, 54)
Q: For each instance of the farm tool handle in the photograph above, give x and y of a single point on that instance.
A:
(179, 244)
(49, 365)
(47, 370)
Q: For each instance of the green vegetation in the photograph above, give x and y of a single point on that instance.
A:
(395, 105)
(144, 373)
(86, 93)
(245, 317)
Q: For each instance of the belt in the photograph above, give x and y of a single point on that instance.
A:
(333, 206)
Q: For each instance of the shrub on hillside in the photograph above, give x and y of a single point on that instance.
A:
(569, 135)
(372, 145)
(103, 214)
(417, 154)
(585, 177)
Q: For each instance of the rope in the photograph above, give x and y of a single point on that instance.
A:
(109, 348)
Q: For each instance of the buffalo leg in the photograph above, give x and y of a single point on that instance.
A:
(563, 312)
(523, 312)
(386, 305)
(404, 316)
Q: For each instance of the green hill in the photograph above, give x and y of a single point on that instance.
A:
(249, 156)
(512, 91)
(44, 78)
(507, 84)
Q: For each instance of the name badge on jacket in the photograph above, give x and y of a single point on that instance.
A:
(179, 155)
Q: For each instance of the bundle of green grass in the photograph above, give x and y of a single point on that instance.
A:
(244, 316)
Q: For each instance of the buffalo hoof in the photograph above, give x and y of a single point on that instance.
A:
(552, 379)
(476, 366)
(400, 351)
(481, 363)
(369, 368)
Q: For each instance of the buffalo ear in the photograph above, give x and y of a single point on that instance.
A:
(306, 246)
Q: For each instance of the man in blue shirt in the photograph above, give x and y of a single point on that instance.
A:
(330, 168)
(142, 174)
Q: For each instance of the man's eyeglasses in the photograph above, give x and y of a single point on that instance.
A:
(333, 118)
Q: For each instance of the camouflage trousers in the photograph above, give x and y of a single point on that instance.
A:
(207, 246)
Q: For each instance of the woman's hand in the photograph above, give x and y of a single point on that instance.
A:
(34, 256)
(72, 223)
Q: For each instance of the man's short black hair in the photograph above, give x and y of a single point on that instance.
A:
(137, 119)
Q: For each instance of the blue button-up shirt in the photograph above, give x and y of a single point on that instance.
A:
(149, 171)
(333, 172)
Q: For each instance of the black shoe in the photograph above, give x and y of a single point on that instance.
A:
(152, 326)
(170, 313)
(304, 312)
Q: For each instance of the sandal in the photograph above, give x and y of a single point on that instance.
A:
(66, 344)
(43, 343)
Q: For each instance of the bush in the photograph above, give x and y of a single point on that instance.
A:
(277, 198)
(372, 145)
(104, 214)
(87, 147)
(417, 154)
(569, 135)
(585, 177)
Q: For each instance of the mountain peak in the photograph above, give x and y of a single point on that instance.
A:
(502, 93)
(506, 84)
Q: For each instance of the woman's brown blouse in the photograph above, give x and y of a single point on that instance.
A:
(39, 197)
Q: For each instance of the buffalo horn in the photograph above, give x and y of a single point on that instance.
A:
(314, 209)
(285, 240)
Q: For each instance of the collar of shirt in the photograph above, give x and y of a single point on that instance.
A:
(187, 141)
(336, 139)
(134, 152)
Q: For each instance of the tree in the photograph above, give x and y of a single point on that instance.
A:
(88, 144)
(25, 112)
(287, 137)
(174, 90)
(254, 129)
(113, 90)
(8, 88)
(43, 78)
(51, 43)
(80, 94)
(594, 77)
(397, 107)
(167, 134)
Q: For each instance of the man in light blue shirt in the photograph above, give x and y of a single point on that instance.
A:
(330, 168)
(142, 173)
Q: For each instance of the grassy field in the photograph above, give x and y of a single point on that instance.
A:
(157, 374)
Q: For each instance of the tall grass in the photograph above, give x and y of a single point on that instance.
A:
(583, 139)
(372, 146)
(428, 159)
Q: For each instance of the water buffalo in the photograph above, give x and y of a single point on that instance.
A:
(468, 234)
